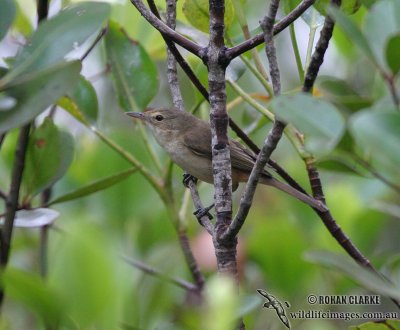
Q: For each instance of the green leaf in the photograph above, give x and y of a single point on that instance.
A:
(197, 13)
(83, 273)
(94, 187)
(340, 164)
(22, 23)
(340, 93)
(49, 155)
(365, 277)
(319, 121)
(378, 135)
(380, 24)
(31, 291)
(347, 6)
(7, 15)
(135, 74)
(393, 54)
(369, 3)
(353, 32)
(56, 37)
(84, 98)
(35, 92)
(33, 218)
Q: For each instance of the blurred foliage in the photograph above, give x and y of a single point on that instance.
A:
(109, 181)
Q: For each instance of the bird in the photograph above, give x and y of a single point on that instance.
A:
(187, 140)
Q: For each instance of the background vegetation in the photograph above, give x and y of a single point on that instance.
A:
(92, 210)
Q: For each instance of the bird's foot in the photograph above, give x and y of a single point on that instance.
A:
(199, 213)
(187, 178)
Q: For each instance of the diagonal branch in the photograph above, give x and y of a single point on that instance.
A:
(313, 174)
(235, 51)
(275, 133)
(166, 30)
(154, 272)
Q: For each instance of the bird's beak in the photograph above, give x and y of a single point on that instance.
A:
(138, 115)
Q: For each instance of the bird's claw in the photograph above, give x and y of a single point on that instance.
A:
(187, 178)
(201, 212)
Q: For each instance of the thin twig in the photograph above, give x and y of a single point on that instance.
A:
(167, 31)
(95, 42)
(3, 195)
(376, 174)
(235, 51)
(154, 272)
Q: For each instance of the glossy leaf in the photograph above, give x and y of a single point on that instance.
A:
(365, 277)
(50, 152)
(84, 98)
(35, 92)
(94, 187)
(31, 291)
(393, 54)
(7, 15)
(135, 74)
(33, 218)
(56, 37)
(197, 13)
(353, 32)
(378, 135)
(319, 121)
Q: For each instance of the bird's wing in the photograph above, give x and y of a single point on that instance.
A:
(200, 142)
(241, 158)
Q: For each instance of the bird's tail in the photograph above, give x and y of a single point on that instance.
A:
(270, 181)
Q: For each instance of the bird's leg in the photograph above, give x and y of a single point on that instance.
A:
(187, 178)
(199, 212)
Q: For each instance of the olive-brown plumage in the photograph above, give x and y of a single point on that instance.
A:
(187, 140)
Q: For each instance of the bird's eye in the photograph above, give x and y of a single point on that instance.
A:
(159, 117)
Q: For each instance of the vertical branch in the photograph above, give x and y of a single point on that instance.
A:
(17, 172)
(309, 80)
(225, 250)
(172, 73)
(13, 196)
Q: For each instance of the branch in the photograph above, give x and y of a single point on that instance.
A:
(13, 196)
(203, 220)
(154, 272)
(190, 260)
(167, 31)
(235, 51)
(172, 72)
